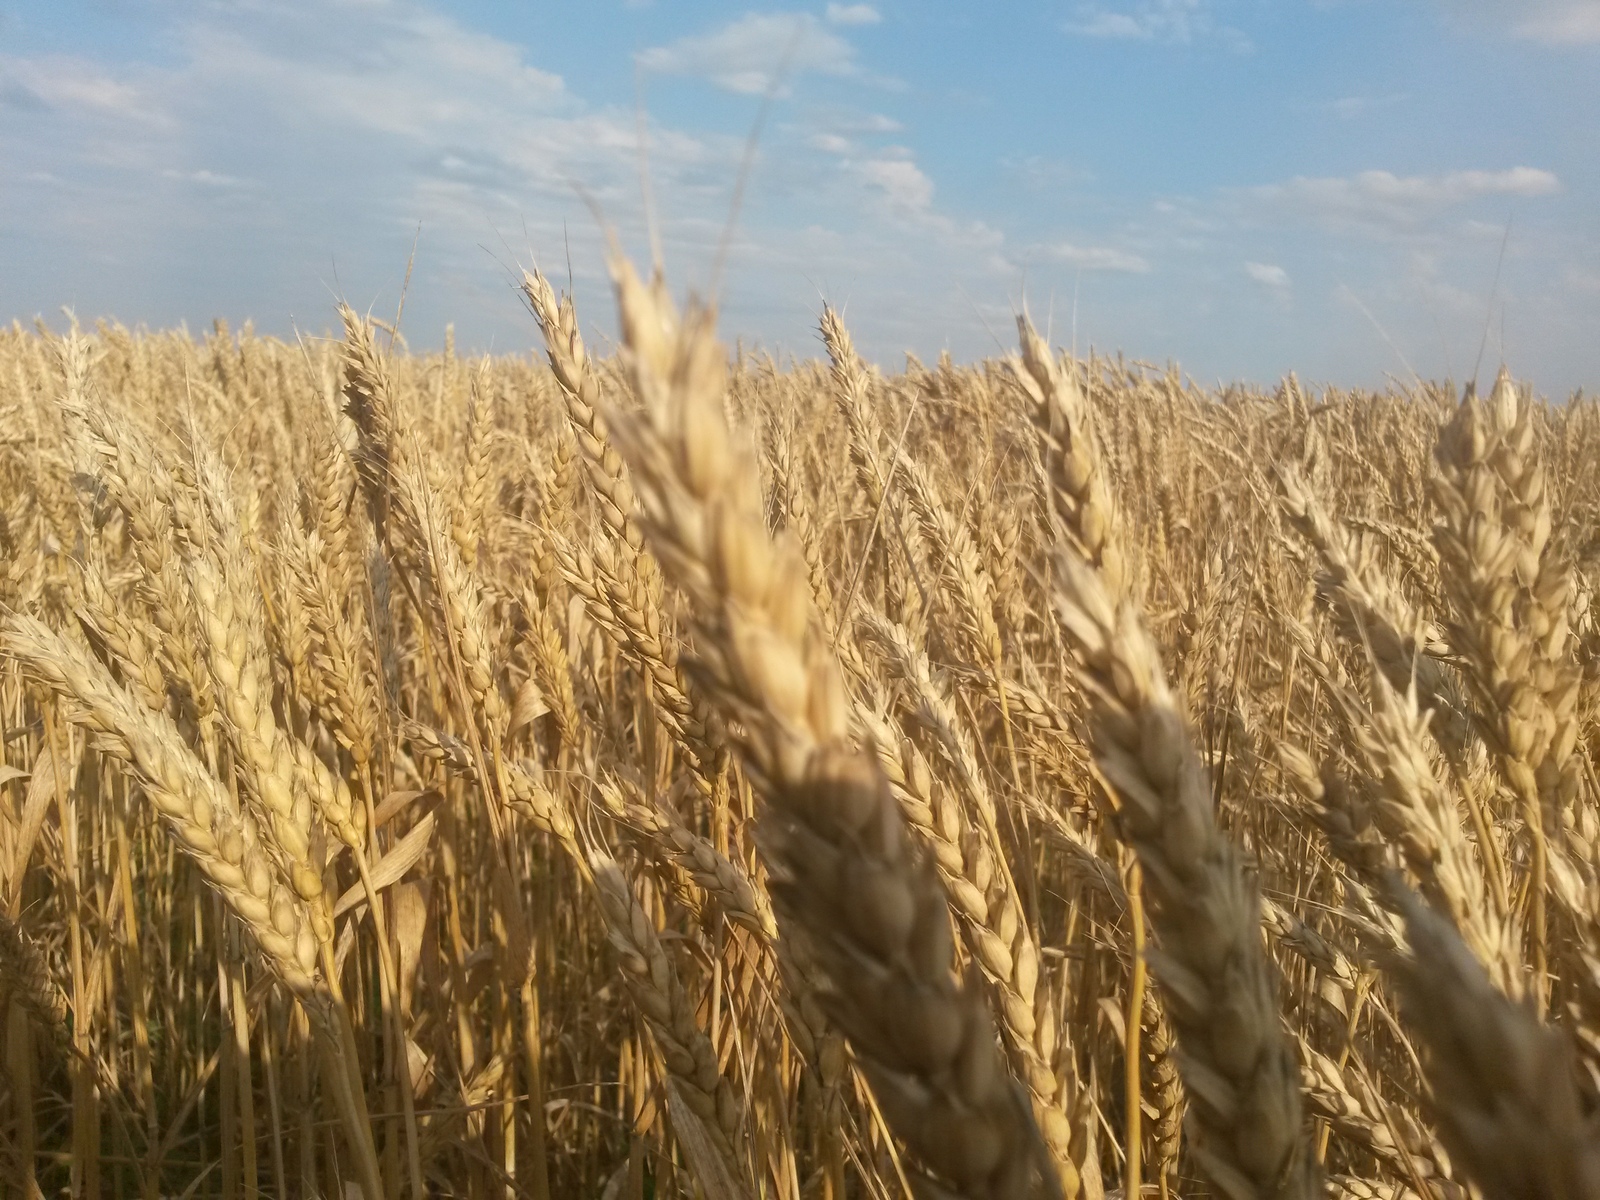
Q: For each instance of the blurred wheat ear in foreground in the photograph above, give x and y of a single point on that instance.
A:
(680, 775)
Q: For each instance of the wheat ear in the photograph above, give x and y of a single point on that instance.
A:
(1509, 591)
(999, 937)
(222, 842)
(1505, 1087)
(1346, 1099)
(1406, 648)
(710, 1137)
(846, 877)
(1078, 494)
(1236, 1064)
(25, 976)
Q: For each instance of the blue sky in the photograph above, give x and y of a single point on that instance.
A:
(1243, 186)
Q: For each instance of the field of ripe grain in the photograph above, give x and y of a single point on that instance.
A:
(673, 775)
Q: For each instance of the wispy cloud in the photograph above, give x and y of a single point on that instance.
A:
(395, 114)
(75, 85)
(853, 14)
(1097, 258)
(831, 143)
(1149, 20)
(1554, 22)
(353, 70)
(1573, 24)
(902, 183)
(851, 122)
(1270, 276)
(203, 178)
(128, 187)
(747, 55)
(1383, 201)
(1044, 175)
(1351, 107)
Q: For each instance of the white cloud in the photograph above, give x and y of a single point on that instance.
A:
(1385, 201)
(1045, 173)
(1351, 107)
(831, 143)
(901, 181)
(204, 178)
(885, 187)
(356, 69)
(1572, 24)
(75, 85)
(1103, 24)
(1097, 258)
(1148, 20)
(748, 55)
(394, 114)
(848, 121)
(853, 14)
(1269, 275)
(1555, 22)
(876, 123)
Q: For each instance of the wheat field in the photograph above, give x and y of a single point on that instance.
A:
(677, 773)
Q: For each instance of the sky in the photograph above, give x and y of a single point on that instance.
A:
(1356, 190)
